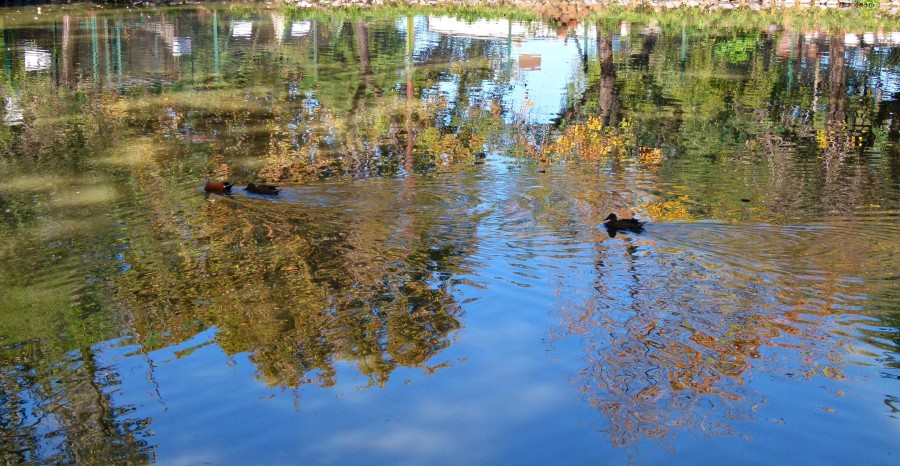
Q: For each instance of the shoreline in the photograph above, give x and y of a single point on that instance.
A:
(834, 14)
(574, 10)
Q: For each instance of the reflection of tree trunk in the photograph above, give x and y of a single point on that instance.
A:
(362, 46)
(361, 32)
(609, 99)
(642, 60)
(408, 161)
(410, 96)
(366, 82)
(837, 135)
(837, 83)
(89, 419)
(605, 87)
(68, 57)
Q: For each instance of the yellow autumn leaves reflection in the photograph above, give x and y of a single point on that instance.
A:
(300, 288)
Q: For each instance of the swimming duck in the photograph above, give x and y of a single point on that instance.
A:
(217, 186)
(628, 222)
(262, 188)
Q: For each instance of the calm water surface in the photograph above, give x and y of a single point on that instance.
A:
(431, 285)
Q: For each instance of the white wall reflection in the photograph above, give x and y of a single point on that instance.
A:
(300, 28)
(37, 59)
(242, 28)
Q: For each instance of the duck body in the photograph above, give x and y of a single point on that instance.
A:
(217, 186)
(613, 222)
(262, 188)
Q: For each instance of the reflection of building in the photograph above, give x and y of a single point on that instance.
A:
(300, 28)
(785, 46)
(278, 24)
(12, 116)
(37, 59)
(242, 28)
(529, 62)
(551, 62)
(181, 46)
(892, 38)
(482, 28)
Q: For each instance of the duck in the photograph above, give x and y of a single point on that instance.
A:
(627, 222)
(262, 188)
(217, 186)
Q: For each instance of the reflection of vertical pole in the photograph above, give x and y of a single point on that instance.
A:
(108, 49)
(585, 46)
(119, 49)
(410, 42)
(509, 48)
(790, 70)
(8, 55)
(94, 46)
(55, 55)
(156, 57)
(817, 64)
(410, 94)
(216, 42)
(315, 33)
(66, 52)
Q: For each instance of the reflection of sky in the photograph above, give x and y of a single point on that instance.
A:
(881, 78)
(425, 39)
(539, 93)
(181, 46)
(546, 87)
(510, 394)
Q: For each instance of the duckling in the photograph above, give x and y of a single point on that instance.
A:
(262, 188)
(217, 186)
(613, 222)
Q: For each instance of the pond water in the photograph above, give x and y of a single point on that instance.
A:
(433, 284)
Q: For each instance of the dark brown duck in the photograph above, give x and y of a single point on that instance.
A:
(262, 189)
(627, 222)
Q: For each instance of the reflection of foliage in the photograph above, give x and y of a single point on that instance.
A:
(590, 140)
(450, 147)
(301, 292)
(832, 20)
(666, 352)
(735, 51)
(55, 390)
(667, 210)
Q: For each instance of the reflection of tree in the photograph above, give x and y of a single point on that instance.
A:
(609, 100)
(63, 413)
(304, 288)
(56, 403)
(671, 339)
(602, 88)
(307, 289)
